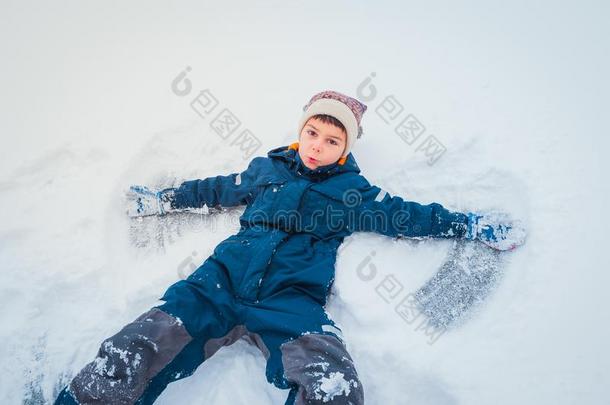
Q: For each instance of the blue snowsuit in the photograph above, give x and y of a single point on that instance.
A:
(268, 283)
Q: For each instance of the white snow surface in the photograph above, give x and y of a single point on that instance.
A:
(516, 92)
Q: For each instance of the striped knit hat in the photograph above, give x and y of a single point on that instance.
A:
(346, 109)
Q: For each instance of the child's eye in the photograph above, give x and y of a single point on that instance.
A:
(310, 132)
(333, 142)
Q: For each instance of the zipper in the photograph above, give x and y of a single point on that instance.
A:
(264, 275)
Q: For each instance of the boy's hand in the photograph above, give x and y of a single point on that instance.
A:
(496, 230)
(142, 201)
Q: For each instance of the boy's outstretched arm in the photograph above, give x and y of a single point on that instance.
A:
(225, 191)
(393, 216)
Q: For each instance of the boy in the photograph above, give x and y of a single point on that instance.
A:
(269, 282)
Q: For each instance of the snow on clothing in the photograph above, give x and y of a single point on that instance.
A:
(268, 283)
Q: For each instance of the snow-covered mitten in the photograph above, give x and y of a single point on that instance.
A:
(495, 229)
(142, 201)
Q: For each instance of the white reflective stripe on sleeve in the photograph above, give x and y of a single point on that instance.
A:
(381, 195)
(332, 329)
(238, 179)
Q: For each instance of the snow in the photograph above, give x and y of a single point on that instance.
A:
(515, 93)
(332, 386)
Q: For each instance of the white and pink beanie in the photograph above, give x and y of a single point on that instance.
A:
(346, 109)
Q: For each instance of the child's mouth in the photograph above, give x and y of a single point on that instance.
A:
(312, 160)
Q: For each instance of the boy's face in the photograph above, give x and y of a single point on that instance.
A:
(320, 144)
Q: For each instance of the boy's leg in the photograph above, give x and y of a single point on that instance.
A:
(321, 371)
(162, 345)
(305, 352)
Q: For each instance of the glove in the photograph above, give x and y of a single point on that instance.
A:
(142, 201)
(496, 230)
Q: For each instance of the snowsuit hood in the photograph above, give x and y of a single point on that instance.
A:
(291, 156)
